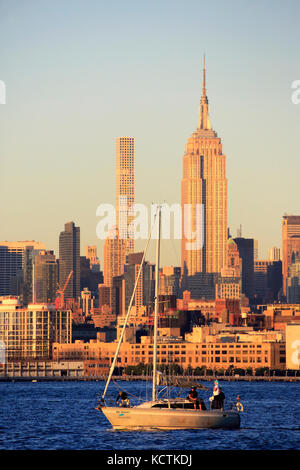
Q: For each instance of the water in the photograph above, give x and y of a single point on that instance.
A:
(61, 415)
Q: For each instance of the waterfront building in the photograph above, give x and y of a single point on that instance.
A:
(217, 354)
(290, 244)
(69, 260)
(125, 155)
(29, 332)
(204, 186)
(292, 333)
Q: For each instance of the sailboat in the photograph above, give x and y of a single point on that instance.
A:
(161, 413)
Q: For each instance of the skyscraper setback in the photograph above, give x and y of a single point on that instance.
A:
(125, 189)
(204, 184)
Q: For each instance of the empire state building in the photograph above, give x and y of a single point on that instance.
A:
(203, 198)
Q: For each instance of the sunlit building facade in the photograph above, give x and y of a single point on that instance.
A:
(204, 188)
(290, 244)
(125, 154)
(29, 332)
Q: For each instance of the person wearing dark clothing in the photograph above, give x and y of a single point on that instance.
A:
(218, 401)
(124, 399)
(202, 404)
(193, 397)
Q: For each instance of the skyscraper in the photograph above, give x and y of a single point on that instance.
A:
(290, 244)
(204, 185)
(44, 277)
(13, 264)
(91, 254)
(144, 294)
(69, 259)
(246, 253)
(125, 189)
(114, 256)
(274, 254)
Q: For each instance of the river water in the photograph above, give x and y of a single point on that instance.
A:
(61, 415)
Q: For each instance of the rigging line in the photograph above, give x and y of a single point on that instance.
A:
(128, 312)
(124, 390)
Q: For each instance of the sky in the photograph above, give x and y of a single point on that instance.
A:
(78, 74)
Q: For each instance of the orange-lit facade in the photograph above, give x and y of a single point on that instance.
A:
(277, 316)
(114, 256)
(125, 154)
(212, 355)
(204, 184)
(290, 244)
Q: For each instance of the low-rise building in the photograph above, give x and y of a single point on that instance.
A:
(278, 315)
(212, 352)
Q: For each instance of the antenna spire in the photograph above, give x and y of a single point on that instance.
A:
(204, 121)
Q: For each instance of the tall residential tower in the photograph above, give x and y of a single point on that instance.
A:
(204, 186)
(125, 189)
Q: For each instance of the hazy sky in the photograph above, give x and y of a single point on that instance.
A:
(80, 73)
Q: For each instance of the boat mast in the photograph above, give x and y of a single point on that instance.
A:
(112, 368)
(156, 307)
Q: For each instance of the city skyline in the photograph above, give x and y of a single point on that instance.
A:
(78, 106)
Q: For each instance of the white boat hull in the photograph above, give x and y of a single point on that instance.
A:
(154, 418)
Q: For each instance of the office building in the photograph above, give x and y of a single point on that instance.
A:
(274, 254)
(12, 264)
(44, 277)
(204, 198)
(114, 256)
(290, 244)
(69, 260)
(246, 253)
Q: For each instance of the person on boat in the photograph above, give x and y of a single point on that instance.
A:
(216, 389)
(124, 399)
(193, 397)
(218, 400)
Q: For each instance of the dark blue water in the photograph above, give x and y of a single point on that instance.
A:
(61, 415)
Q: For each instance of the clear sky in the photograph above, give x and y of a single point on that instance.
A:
(80, 73)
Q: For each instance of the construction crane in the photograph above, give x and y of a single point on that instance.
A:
(60, 300)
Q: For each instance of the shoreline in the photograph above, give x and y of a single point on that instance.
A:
(139, 378)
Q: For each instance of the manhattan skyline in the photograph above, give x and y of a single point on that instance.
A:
(79, 77)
